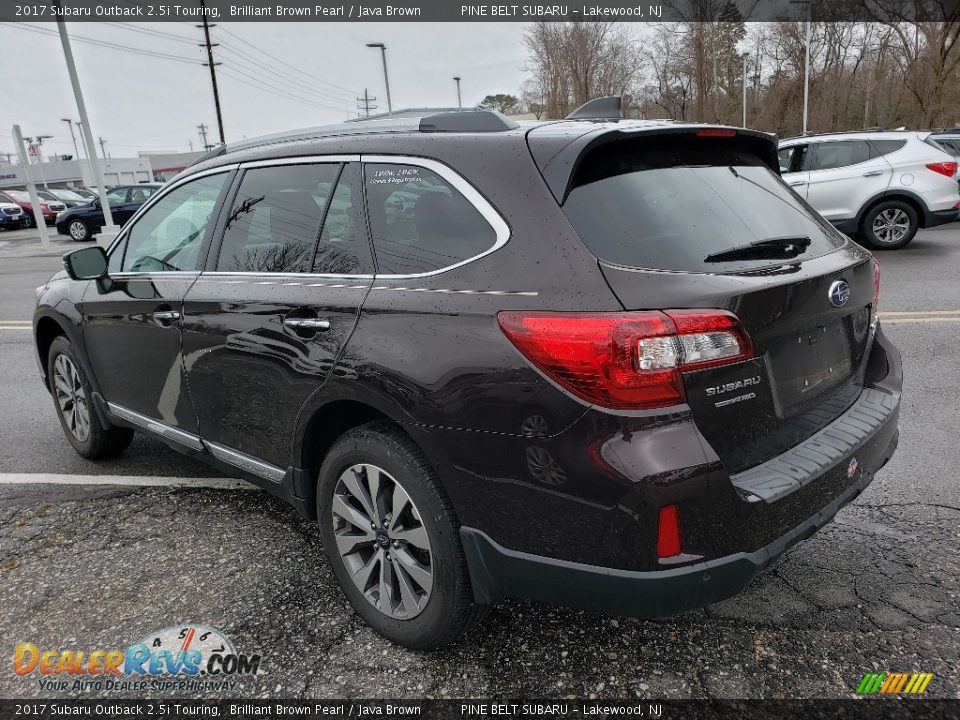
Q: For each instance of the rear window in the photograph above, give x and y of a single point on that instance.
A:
(669, 202)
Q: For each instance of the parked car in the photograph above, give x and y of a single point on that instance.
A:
(878, 186)
(86, 193)
(50, 209)
(67, 197)
(11, 216)
(616, 365)
(83, 222)
(946, 140)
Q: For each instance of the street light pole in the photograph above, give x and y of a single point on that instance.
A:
(87, 135)
(459, 103)
(386, 78)
(73, 136)
(744, 57)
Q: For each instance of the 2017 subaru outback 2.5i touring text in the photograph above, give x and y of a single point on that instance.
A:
(602, 363)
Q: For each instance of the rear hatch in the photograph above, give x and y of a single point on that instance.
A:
(699, 218)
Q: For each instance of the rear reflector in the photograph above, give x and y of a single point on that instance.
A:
(668, 532)
(626, 360)
(716, 132)
(944, 168)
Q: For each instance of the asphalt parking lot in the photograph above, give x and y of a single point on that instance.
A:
(101, 565)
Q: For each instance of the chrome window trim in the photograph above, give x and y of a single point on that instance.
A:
(300, 160)
(462, 185)
(469, 192)
(147, 423)
(154, 274)
(246, 462)
(159, 194)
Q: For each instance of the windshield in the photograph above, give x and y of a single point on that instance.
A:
(68, 195)
(18, 195)
(680, 202)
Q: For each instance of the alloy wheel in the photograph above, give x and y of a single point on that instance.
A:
(890, 226)
(78, 231)
(71, 397)
(382, 541)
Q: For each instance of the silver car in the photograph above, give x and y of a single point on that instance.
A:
(879, 186)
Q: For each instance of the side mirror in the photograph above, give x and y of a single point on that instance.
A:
(89, 263)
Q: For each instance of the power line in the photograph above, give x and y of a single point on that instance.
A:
(102, 43)
(292, 67)
(273, 79)
(260, 85)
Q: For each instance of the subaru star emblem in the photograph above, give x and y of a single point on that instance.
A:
(839, 293)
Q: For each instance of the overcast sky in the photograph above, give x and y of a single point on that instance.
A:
(149, 103)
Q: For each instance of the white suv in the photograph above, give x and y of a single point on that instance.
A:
(879, 186)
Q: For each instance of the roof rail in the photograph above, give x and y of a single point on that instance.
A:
(603, 108)
(467, 121)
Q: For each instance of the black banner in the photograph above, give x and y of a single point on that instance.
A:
(476, 10)
(504, 709)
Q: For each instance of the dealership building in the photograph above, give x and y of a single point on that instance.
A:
(73, 173)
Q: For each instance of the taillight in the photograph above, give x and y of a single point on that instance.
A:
(627, 360)
(944, 168)
(875, 306)
(668, 532)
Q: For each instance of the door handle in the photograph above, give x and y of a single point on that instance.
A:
(796, 183)
(165, 317)
(315, 324)
(873, 173)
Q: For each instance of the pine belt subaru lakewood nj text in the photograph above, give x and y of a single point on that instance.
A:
(611, 364)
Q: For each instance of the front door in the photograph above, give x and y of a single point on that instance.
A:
(132, 323)
(264, 326)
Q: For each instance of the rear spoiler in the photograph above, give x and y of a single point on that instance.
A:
(561, 168)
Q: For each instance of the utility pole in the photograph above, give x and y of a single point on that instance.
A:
(103, 150)
(203, 135)
(364, 103)
(73, 136)
(213, 65)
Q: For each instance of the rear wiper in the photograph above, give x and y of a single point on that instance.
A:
(779, 248)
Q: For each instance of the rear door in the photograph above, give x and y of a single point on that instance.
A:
(843, 175)
(265, 324)
(659, 214)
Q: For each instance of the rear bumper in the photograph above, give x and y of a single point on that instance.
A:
(497, 572)
(932, 218)
(756, 518)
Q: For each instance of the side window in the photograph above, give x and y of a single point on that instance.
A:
(168, 236)
(275, 218)
(885, 147)
(420, 222)
(117, 196)
(842, 153)
(140, 194)
(792, 158)
(344, 248)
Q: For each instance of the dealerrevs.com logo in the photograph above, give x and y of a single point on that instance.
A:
(185, 658)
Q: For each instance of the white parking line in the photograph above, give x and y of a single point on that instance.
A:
(128, 480)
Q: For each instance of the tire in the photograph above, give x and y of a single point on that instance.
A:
(78, 230)
(73, 401)
(889, 225)
(427, 541)
(29, 221)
